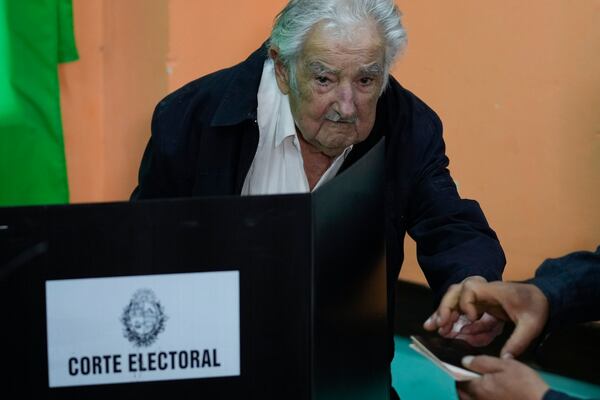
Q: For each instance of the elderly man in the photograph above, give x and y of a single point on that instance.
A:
(305, 106)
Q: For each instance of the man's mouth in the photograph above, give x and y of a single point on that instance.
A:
(334, 116)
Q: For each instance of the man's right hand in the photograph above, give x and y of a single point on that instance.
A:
(524, 304)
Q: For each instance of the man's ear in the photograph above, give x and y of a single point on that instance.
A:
(281, 72)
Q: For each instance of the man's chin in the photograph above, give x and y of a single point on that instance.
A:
(341, 128)
(337, 149)
(334, 146)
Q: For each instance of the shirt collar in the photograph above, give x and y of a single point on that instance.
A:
(286, 126)
(274, 114)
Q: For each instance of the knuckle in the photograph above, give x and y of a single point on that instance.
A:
(454, 287)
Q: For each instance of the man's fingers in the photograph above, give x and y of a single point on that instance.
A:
(525, 332)
(478, 340)
(467, 302)
(447, 330)
(481, 332)
(459, 297)
(431, 323)
(484, 364)
(443, 315)
(451, 301)
(483, 338)
(483, 324)
(448, 304)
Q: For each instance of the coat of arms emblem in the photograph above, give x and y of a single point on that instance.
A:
(143, 318)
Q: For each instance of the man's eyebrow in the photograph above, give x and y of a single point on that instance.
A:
(318, 68)
(372, 70)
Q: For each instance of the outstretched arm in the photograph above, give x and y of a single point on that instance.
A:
(455, 244)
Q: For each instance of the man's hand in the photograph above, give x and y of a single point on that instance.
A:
(501, 379)
(477, 329)
(523, 304)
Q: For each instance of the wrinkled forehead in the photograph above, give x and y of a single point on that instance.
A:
(318, 67)
(329, 48)
(350, 30)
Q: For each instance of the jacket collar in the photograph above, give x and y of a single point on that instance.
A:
(239, 100)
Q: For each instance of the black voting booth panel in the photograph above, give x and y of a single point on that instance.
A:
(311, 276)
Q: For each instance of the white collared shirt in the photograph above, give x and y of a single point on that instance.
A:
(278, 166)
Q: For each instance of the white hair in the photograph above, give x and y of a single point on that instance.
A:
(296, 20)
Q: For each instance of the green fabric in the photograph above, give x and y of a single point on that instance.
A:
(35, 35)
(415, 377)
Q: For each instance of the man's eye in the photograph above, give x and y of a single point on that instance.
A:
(366, 81)
(322, 80)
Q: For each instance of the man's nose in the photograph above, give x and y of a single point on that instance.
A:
(345, 100)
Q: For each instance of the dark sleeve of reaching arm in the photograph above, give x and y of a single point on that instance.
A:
(554, 395)
(572, 286)
(453, 238)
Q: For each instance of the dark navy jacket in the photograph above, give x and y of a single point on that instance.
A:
(572, 286)
(204, 138)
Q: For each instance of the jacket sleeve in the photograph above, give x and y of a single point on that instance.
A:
(164, 170)
(572, 286)
(152, 181)
(554, 395)
(453, 238)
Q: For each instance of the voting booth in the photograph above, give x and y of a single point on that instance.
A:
(271, 297)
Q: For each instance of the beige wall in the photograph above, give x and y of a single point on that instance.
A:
(516, 84)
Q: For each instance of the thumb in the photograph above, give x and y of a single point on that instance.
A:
(525, 332)
(484, 364)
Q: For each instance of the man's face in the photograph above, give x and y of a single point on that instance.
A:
(339, 77)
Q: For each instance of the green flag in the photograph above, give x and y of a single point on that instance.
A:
(35, 35)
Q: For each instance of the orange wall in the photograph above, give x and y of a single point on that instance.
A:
(109, 94)
(206, 37)
(516, 84)
(82, 101)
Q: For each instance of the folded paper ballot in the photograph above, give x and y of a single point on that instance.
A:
(446, 354)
